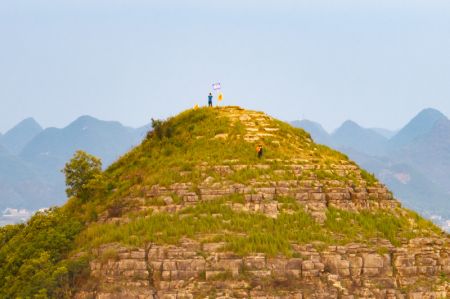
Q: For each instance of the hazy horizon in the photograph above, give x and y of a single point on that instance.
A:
(377, 63)
(148, 123)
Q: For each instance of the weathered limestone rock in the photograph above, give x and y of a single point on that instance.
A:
(354, 271)
(261, 196)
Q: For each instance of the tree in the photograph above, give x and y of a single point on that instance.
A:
(33, 259)
(83, 174)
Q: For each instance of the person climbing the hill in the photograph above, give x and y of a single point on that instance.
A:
(210, 97)
(259, 150)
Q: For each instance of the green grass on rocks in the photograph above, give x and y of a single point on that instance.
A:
(246, 233)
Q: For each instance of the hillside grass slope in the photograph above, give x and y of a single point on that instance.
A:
(49, 255)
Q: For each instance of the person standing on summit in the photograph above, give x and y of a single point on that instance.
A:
(210, 97)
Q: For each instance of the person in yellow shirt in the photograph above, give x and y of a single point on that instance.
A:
(259, 150)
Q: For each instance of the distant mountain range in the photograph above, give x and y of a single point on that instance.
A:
(414, 161)
(16, 138)
(31, 158)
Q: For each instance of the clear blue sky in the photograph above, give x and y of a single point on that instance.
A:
(376, 62)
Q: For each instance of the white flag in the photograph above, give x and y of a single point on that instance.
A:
(216, 86)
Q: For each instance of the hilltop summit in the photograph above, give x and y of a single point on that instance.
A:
(417, 127)
(217, 147)
(16, 138)
(193, 212)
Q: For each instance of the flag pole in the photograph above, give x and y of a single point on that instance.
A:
(216, 87)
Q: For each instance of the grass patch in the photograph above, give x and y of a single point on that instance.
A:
(382, 224)
(246, 233)
(243, 232)
(368, 177)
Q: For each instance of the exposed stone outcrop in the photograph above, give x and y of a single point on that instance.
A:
(260, 196)
(195, 270)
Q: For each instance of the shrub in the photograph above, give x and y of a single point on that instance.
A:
(161, 129)
(32, 259)
(83, 175)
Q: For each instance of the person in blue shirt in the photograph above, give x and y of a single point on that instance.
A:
(210, 97)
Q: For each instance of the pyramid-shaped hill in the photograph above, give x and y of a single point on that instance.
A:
(193, 212)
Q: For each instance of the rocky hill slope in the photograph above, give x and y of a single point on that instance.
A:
(413, 162)
(194, 213)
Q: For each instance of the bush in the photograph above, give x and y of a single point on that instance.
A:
(161, 129)
(32, 258)
(83, 175)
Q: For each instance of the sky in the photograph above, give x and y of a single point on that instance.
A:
(377, 62)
